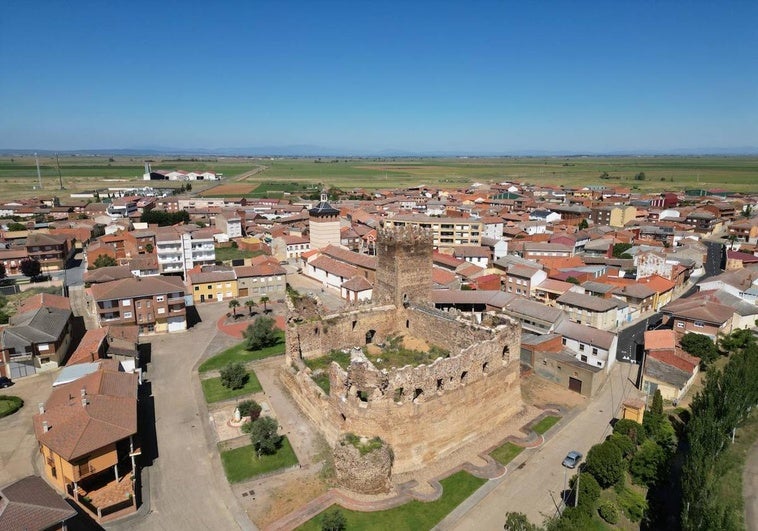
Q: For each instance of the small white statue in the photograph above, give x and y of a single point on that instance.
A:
(237, 414)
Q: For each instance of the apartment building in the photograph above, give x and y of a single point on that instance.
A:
(230, 223)
(446, 231)
(613, 216)
(589, 310)
(178, 252)
(154, 304)
(51, 250)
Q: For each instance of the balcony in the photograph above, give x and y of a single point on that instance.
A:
(106, 500)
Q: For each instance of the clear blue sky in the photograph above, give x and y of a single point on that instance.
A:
(468, 76)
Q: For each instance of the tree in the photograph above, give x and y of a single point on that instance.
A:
(747, 211)
(700, 346)
(263, 301)
(654, 416)
(640, 176)
(234, 304)
(149, 248)
(605, 462)
(264, 436)
(589, 490)
(631, 429)
(104, 261)
(15, 226)
(261, 334)
(31, 267)
(250, 408)
(583, 224)
(646, 464)
(573, 280)
(518, 522)
(620, 250)
(624, 443)
(250, 305)
(333, 520)
(234, 376)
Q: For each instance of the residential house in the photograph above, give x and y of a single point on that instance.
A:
(446, 231)
(666, 367)
(155, 304)
(356, 289)
(549, 290)
(535, 251)
(589, 345)
(613, 216)
(653, 263)
(30, 503)
(290, 246)
(639, 297)
(700, 317)
(522, 280)
(11, 258)
(230, 223)
(267, 279)
(212, 284)
(703, 222)
(38, 336)
(86, 433)
(107, 274)
(550, 360)
(479, 256)
(534, 316)
(589, 310)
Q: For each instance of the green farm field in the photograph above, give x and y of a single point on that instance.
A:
(275, 177)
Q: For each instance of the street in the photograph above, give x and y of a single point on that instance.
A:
(535, 479)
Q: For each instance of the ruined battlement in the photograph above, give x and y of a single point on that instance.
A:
(406, 236)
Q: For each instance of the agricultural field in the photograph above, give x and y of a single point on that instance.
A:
(264, 177)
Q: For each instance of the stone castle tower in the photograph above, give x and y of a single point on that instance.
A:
(404, 266)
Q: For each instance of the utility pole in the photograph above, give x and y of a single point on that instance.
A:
(576, 498)
(57, 163)
(39, 175)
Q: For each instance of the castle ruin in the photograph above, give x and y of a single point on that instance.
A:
(424, 412)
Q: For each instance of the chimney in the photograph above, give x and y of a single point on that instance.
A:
(84, 392)
(41, 407)
(45, 426)
(84, 401)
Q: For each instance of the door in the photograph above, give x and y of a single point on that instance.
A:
(243, 292)
(575, 385)
(202, 298)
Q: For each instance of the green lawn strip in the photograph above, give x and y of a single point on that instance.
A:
(232, 253)
(241, 354)
(9, 405)
(414, 515)
(730, 466)
(242, 463)
(506, 453)
(545, 424)
(215, 392)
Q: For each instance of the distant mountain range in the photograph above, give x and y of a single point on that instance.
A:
(305, 150)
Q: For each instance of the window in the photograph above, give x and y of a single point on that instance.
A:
(680, 324)
(698, 324)
(210, 286)
(594, 351)
(581, 347)
(139, 304)
(584, 358)
(127, 315)
(197, 288)
(126, 302)
(563, 340)
(161, 298)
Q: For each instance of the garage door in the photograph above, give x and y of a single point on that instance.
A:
(19, 369)
(575, 385)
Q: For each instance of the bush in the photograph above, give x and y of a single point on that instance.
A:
(250, 408)
(14, 403)
(333, 520)
(518, 522)
(633, 504)
(608, 512)
(234, 376)
(264, 435)
(606, 463)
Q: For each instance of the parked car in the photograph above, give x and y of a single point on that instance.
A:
(5, 382)
(572, 459)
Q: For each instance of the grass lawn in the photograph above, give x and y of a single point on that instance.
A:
(414, 515)
(241, 354)
(730, 466)
(215, 392)
(231, 253)
(342, 359)
(545, 424)
(242, 463)
(506, 453)
(322, 380)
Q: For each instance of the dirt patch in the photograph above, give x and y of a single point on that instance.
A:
(540, 392)
(289, 495)
(414, 343)
(230, 189)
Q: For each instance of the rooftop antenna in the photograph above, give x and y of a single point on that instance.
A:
(39, 175)
(58, 164)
